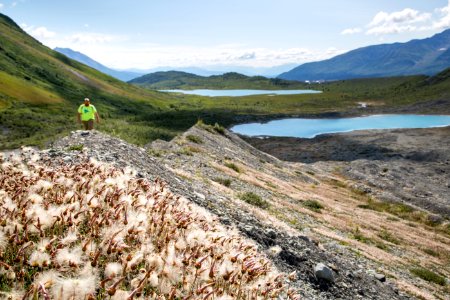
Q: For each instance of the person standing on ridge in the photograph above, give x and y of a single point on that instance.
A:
(87, 113)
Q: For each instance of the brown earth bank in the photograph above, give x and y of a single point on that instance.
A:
(301, 215)
(404, 165)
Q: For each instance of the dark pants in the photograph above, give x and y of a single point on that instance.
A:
(88, 125)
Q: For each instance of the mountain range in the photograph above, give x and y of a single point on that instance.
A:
(41, 89)
(427, 56)
(129, 74)
(231, 80)
(82, 58)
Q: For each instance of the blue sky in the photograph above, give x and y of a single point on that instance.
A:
(260, 33)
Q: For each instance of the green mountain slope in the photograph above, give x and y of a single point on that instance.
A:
(40, 90)
(183, 80)
(427, 56)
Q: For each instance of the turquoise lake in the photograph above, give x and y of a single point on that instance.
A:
(239, 93)
(309, 128)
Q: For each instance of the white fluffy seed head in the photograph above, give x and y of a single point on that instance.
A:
(70, 238)
(39, 259)
(44, 185)
(120, 295)
(75, 288)
(47, 278)
(35, 198)
(9, 204)
(3, 240)
(113, 269)
(153, 280)
(155, 261)
(66, 256)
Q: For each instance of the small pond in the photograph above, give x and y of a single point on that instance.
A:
(309, 128)
(239, 93)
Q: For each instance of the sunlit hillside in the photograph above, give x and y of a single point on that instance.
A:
(40, 90)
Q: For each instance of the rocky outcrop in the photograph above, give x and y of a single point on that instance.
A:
(175, 162)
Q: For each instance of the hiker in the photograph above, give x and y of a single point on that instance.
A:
(87, 114)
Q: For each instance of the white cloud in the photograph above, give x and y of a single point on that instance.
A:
(397, 22)
(405, 21)
(38, 32)
(351, 31)
(1, 6)
(406, 16)
(51, 39)
(391, 29)
(150, 55)
(90, 38)
(444, 21)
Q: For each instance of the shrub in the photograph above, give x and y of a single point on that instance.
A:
(185, 151)
(213, 129)
(219, 129)
(357, 235)
(313, 205)
(233, 166)
(428, 275)
(387, 236)
(76, 147)
(155, 152)
(431, 252)
(193, 149)
(194, 139)
(223, 181)
(254, 199)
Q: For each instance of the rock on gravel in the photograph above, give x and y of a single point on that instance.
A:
(323, 272)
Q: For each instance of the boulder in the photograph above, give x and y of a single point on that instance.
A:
(321, 271)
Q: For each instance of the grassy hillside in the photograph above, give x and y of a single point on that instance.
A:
(40, 91)
(183, 80)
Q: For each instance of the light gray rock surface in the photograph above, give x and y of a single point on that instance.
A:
(299, 253)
